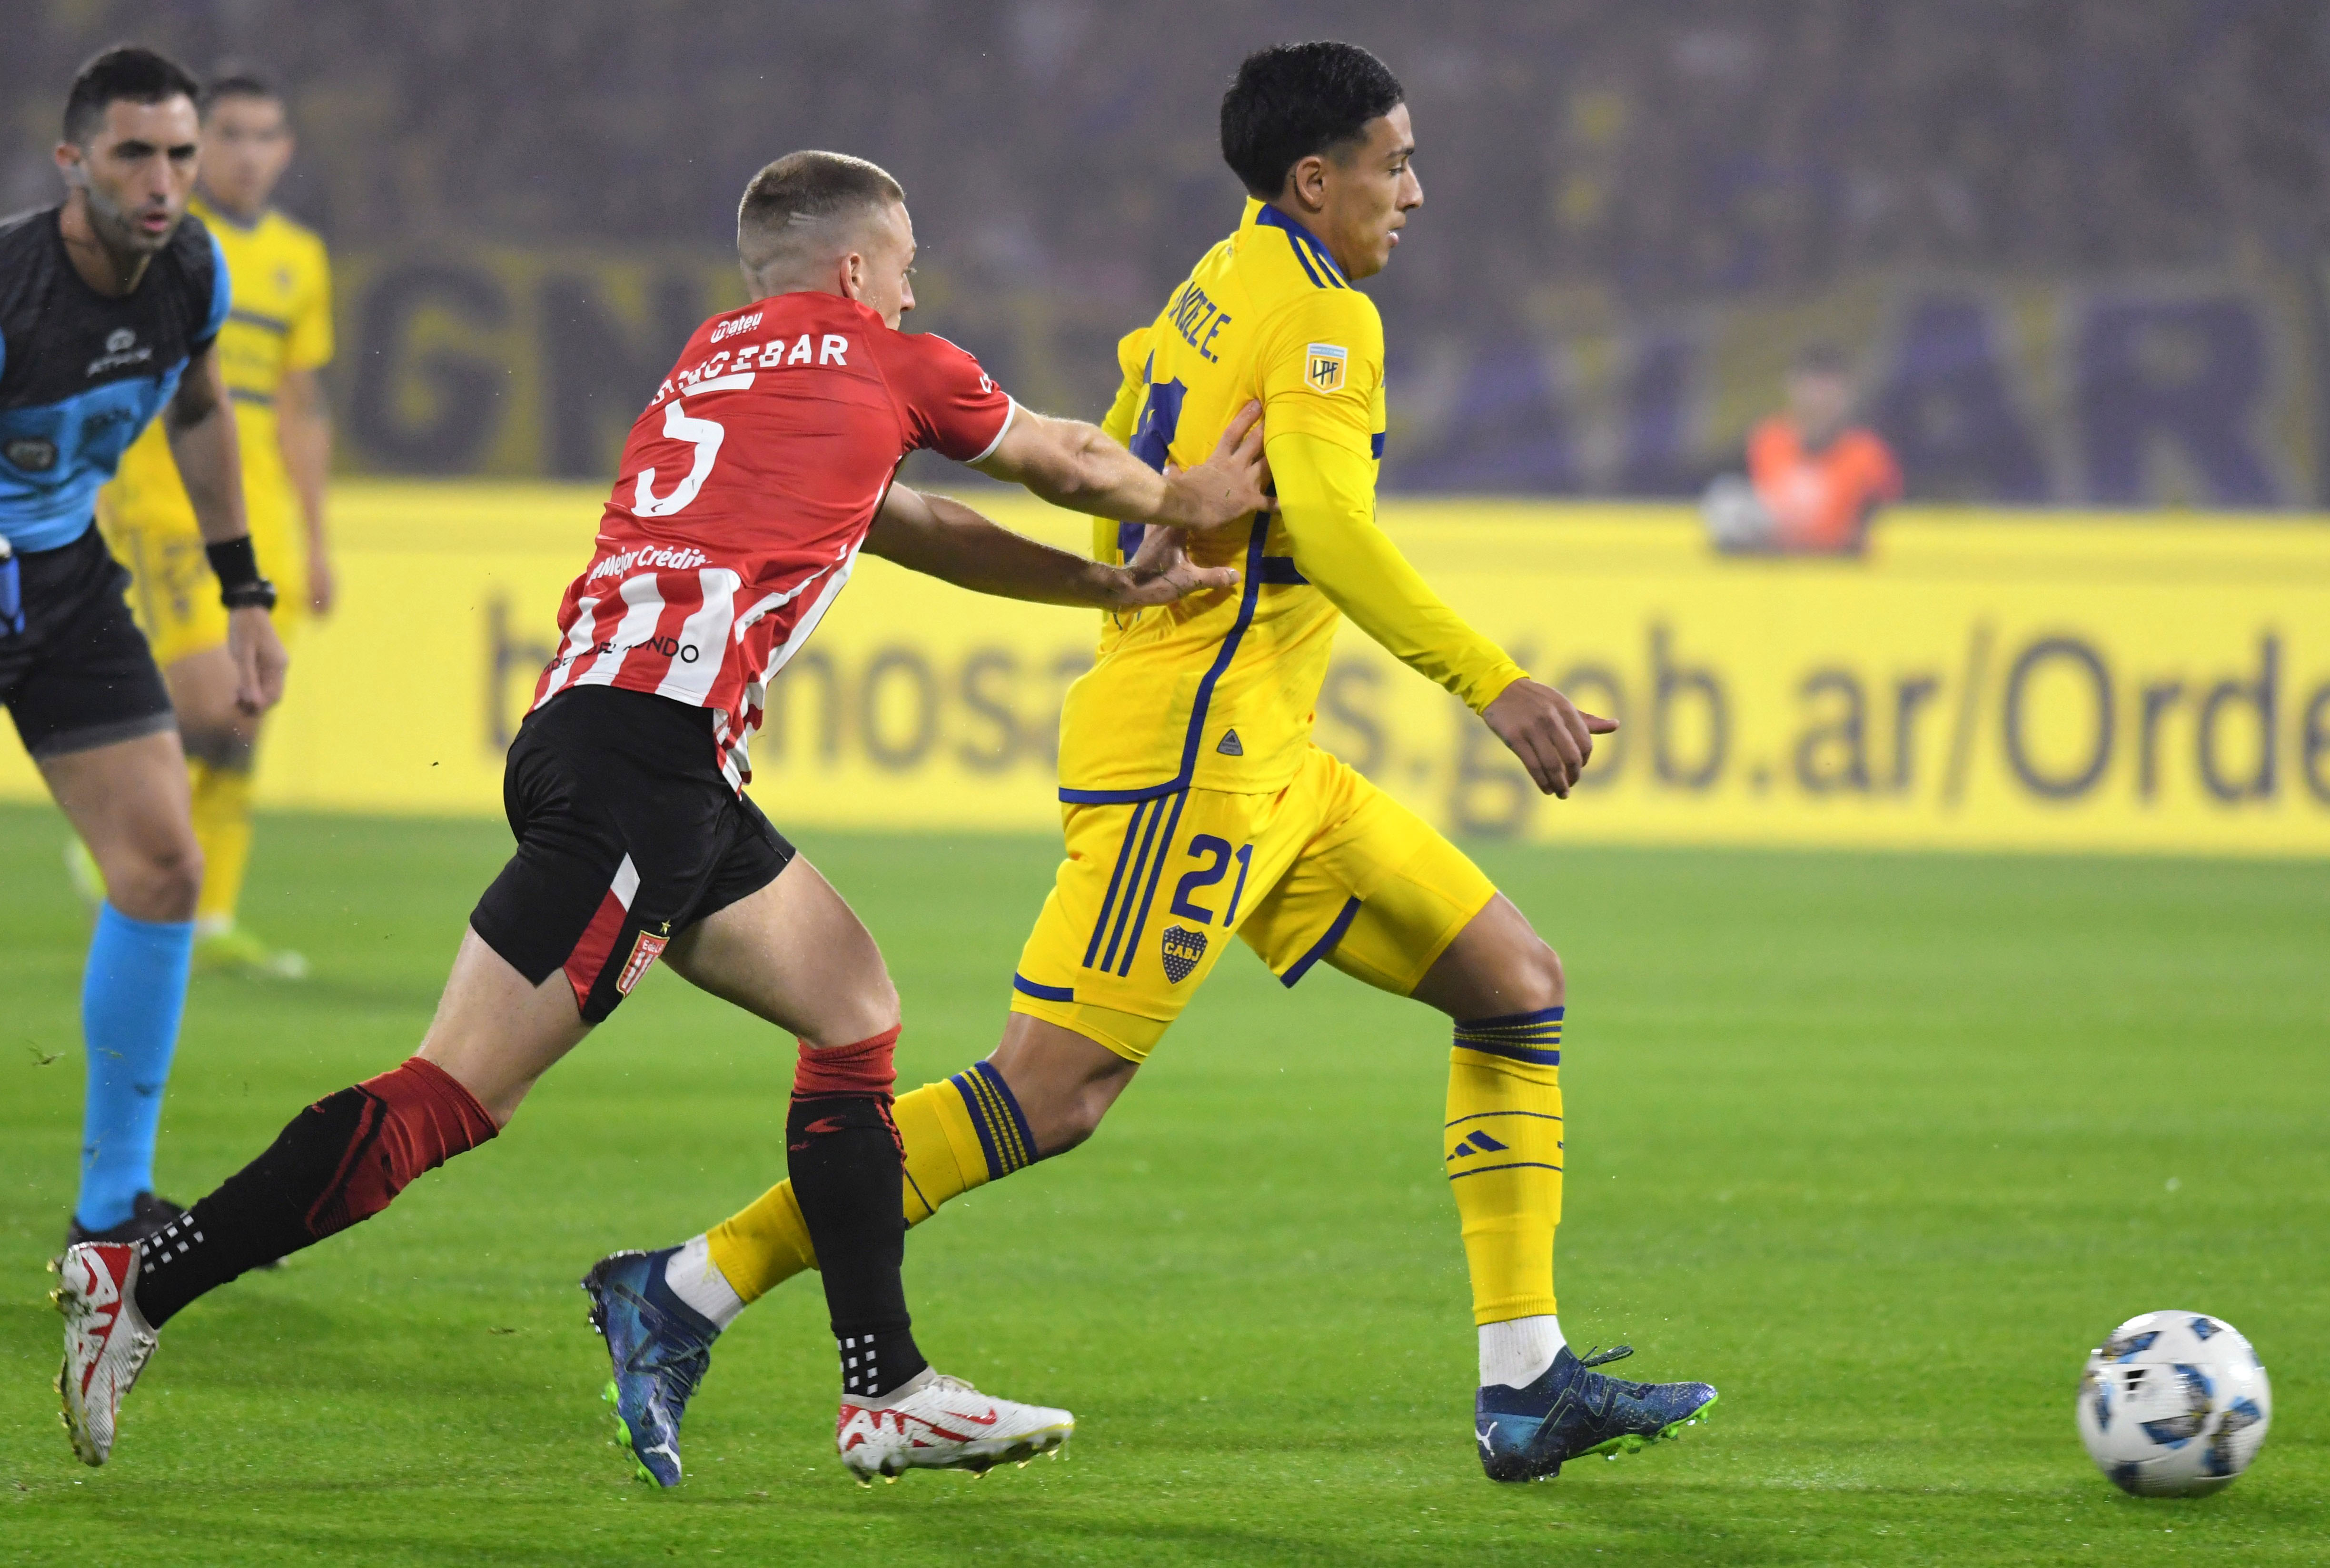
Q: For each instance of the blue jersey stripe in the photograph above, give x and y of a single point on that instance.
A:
(1117, 797)
(1296, 234)
(1116, 879)
(275, 324)
(1247, 601)
(1025, 986)
(1156, 870)
(1279, 572)
(1139, 865)
(1325, 945)
(1326, 262)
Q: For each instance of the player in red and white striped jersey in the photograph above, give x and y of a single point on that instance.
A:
(747, 488)
(761, 469)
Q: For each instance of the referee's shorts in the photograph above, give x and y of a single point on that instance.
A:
(78, 675)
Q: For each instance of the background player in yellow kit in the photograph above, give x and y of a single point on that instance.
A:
(1195, 807)
(277, 337)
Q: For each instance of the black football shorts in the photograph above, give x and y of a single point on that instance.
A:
(78, 675)
(628, 834)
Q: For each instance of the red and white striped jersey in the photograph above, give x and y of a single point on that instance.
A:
(745, 489)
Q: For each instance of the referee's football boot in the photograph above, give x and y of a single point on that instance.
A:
(147, 1214)
(1527, 1434)
(660, 1347)
(106, 1341)
(937, 1422)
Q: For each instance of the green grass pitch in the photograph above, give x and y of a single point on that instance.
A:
(1879, 1145)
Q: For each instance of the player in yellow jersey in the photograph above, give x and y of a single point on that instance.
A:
(1195, 807)
(277, 337)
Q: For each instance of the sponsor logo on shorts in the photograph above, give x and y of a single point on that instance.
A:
(1183, 949)
(644, 952)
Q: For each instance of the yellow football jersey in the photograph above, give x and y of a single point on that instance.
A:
(1218, 691)
(280, 321)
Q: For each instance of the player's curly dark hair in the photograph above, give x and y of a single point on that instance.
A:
(125, 71)
(1294, 100)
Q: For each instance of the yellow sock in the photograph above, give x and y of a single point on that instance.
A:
(958, 1134)
(223, 828)
(1503, 1139)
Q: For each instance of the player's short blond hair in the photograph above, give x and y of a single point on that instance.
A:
(793, 206)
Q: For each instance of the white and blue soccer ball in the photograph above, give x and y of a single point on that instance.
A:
(2173, 1404)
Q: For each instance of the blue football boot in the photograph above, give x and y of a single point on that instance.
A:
(660, 1347)
(1526, 1434)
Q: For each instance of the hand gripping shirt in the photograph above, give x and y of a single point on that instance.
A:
(1219, 691)
(745, 489)
(82, 373)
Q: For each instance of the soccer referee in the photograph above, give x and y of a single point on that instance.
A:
(109, 306)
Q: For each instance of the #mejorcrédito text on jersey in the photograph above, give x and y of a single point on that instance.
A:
(745, 489)
(1218, 691)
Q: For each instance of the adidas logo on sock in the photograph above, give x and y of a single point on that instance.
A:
(1231, 746)
(1478, 1144)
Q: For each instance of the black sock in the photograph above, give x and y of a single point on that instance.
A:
(342, 1159)
(847, 1171)
(258, 1214)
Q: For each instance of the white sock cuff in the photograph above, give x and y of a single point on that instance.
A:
(1515, 1353)
(697, 1279)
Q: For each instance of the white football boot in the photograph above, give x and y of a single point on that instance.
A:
(943, 1423)
(106, 1341)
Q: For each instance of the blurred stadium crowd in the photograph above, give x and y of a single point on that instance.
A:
(2075, 248)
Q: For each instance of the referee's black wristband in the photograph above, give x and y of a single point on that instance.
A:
(240, 584)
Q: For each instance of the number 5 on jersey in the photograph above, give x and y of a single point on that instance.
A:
(704, 434)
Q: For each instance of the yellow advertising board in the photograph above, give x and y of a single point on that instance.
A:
(1980, 680)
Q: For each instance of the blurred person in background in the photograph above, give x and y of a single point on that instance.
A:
(1814, 480)
(276, 338)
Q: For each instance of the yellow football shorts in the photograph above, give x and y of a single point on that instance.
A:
(173, 593)
(1330, 868)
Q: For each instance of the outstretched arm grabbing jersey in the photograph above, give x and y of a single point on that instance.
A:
(945, 540)
(1082, 468)
(942, 538)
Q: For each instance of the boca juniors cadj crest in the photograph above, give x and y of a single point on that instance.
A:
(1183, 949)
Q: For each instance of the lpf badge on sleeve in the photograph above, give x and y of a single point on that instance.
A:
(1324, 367)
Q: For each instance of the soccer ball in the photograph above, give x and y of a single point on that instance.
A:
(2173, 1404)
